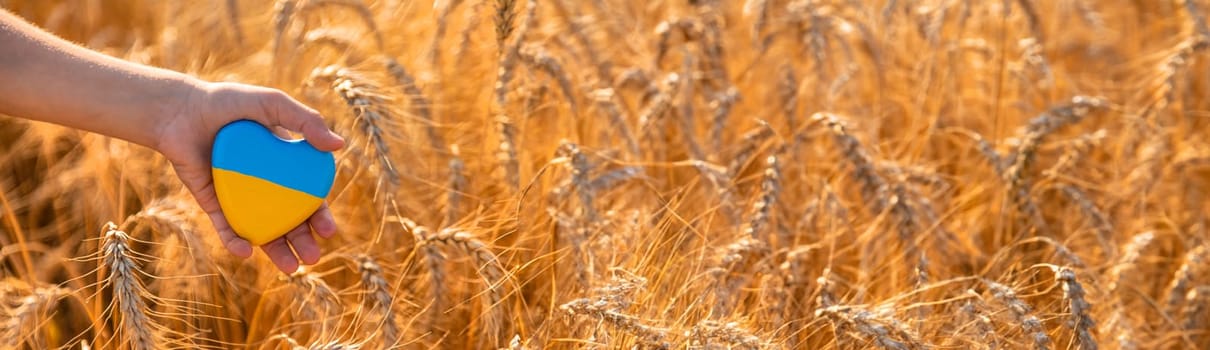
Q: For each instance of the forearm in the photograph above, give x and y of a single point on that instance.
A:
(49, 79)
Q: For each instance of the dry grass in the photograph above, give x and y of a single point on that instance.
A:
(759, 174)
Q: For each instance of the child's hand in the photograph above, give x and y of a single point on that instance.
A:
(187, 137)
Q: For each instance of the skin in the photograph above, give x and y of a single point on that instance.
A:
(45, 78)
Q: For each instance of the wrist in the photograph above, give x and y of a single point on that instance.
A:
(174, 109)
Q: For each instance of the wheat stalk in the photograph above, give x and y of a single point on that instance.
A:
(685, 97)
(504, 22)
(577, 31)
(1022, 313)
(637, 78)
(21, 311)
(443, 14)
(457, 186)
(434, 261)
(340, 40)
(172, 215)
(731, 271)
(1199, 19)
(379, 297)
(976, 311)
(750, 144)
(129, 306)
(690, 29)
(881, 194)
(605, 101)
(730, 333)
(607, 305)
(762, 208)
(368, 105)
(488, 265)
(506, 153)
(759, 11)
(1038, 129)
(421, 105)
(652, 116)
(283, 13)
(1128, 260)
(985, 148)
(1080, 322)
(473, 19)
(312, 292)
(578, 165)
(721, 106)
(363, 11)
(539, 59)
(884, 331)
(233, 19)
(1184, 277)
(1197, 311)
(1100, 222)
(717, 176)
(873, 185)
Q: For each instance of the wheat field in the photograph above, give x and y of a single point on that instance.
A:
(760, 174)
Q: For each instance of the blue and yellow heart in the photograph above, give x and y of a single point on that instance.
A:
(267, 186)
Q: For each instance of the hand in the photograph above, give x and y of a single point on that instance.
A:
(186, 140)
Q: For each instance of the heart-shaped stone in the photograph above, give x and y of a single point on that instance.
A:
(267, 186)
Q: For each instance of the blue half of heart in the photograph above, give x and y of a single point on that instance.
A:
(290, 165)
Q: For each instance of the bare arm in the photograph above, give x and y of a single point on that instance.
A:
(43, 77)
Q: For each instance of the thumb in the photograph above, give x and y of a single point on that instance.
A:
(282, 110)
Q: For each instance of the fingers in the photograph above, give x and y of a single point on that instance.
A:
(280, 254)
(281, 109)
(323, 222)
(304, 244)
(236, 245)
(206, 198)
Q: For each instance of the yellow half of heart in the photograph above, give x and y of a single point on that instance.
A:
(258, 210)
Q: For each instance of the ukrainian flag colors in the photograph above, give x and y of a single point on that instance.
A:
(267, 186)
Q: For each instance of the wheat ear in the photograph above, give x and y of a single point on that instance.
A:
(1081, 321)
(1197, 311)
(504, 22)
(1037, 130)
(379, 296)
(730, 333)
(368, 105)
(763, 207)
(1183, 279)
(607, 305)
(312, 292)
(340, 40)
(363, 11)
(1022, 313)
(421, 105)
(22, 311)
(488, 265)
(721, 106)
(882, 330)
(443, 15)
(120, 264)
(750, 144)
(539, 59)
(605, 101)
